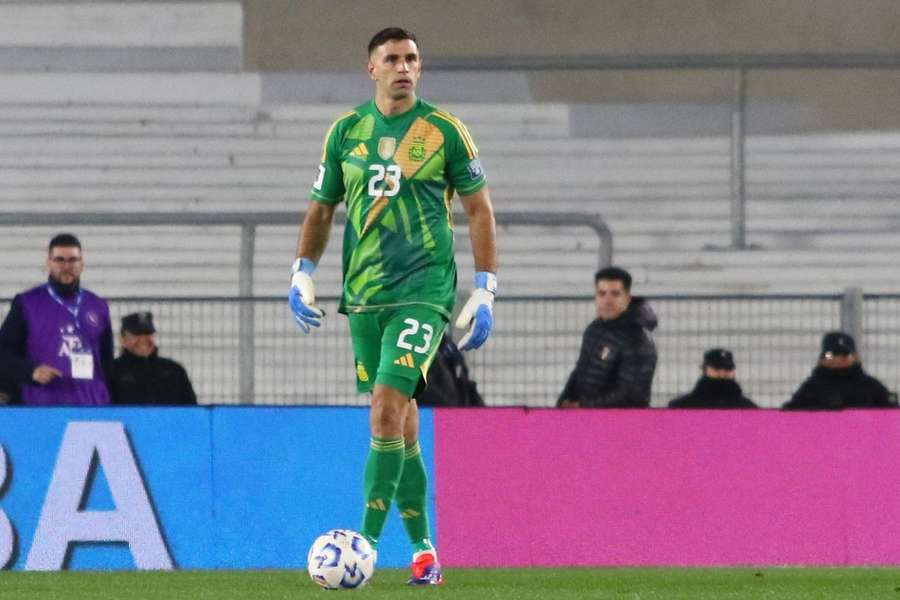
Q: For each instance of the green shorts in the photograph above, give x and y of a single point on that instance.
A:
(396, 346)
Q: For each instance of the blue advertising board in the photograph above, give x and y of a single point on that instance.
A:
(190, 488)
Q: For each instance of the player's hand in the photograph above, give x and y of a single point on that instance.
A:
(302, 297)
(44, 374)
(478, 313)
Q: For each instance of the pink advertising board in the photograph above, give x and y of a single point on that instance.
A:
(549, 487)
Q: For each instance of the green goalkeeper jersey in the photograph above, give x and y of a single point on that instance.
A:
(398, 175)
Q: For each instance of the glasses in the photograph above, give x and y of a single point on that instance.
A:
(62, 260)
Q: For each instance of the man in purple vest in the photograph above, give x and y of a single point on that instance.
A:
(57, 341)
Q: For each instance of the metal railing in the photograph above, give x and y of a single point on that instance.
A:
(738, 64)
(249, 222)
(533, 349)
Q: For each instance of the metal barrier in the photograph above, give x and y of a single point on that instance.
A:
(531, 353)
(250, 222)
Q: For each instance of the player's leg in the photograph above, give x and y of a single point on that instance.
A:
(384, 462)
(412, 504)
(411, 340)
(412, 490)
(384, 465)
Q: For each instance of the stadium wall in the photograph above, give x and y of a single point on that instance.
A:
(190, 488)
(329, 37)
(683, 488)
(251, 487)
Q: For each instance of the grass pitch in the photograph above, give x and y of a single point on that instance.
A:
(475, 584)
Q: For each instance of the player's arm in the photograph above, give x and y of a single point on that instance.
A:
(326, 193)
(482, 229)
(311, 244)
(477, 314)
(314, 231)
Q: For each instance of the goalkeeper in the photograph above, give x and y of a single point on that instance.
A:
(397, 161)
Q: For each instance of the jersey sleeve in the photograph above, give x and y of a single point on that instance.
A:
(328, 187)
(464, 168)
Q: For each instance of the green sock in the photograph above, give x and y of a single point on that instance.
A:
(383, 469)
(411, 498)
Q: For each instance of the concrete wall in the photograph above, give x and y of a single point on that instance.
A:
(330, 36)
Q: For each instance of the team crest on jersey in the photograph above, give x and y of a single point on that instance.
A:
(417, 149)
(386, 147)
(361, 373)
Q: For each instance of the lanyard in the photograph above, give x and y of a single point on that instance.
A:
(73, 310)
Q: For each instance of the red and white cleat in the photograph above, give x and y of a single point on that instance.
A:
(425, 569)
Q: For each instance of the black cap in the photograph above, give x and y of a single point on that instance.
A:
(139, 323)
(718, 358)
(837, 343)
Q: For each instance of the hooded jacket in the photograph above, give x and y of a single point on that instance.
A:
(149, 381)
(617, 360)
(834, 389)
(714, 393)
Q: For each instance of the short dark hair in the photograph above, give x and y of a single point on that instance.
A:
(390, 33)
(614, 274)
(63, 240)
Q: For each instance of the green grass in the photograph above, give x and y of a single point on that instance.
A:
(477, 584)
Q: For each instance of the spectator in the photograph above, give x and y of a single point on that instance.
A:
(140, 375)
(9, 392)
(448, 382)
(838, 381)
(56, 341)
(618, 357)
(717, 387)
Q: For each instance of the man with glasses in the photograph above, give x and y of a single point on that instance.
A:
(56, 341)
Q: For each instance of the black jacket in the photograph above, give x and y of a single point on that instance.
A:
(617, 360)
(448, 379)
(714, 393)
(834, 389)
(152, 380)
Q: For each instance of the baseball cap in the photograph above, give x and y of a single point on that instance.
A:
(837, 343)
(139, 323)
(718, 358)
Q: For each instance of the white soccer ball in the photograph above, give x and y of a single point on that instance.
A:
(341, 559)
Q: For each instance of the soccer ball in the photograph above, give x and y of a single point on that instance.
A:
(341, 559)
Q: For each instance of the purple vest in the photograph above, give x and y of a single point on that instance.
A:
(53, 334)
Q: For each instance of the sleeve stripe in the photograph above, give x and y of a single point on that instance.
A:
(461, 130)
(330, 129)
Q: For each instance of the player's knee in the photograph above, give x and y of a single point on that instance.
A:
(388, 417)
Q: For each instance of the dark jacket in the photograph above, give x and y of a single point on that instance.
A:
(834, 389)
(714, 393)
(617, 360)
(448, 379)
(152, 380)
(9, 392)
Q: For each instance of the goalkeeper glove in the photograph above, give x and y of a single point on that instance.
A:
(302, 297)
(478, 313)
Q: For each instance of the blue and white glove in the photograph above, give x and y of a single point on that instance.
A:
(302, 296)
(478, 313)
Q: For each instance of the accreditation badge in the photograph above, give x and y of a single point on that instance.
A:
(82, 365)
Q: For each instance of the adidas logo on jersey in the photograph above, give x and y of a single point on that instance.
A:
(406, 361)
(360, 151)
